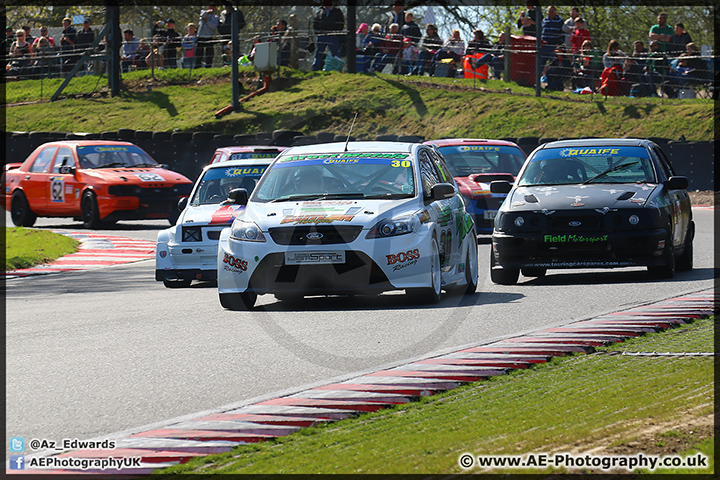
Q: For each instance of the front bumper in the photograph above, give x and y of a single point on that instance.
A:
(370, 266)
(188, 260)
(579, 249)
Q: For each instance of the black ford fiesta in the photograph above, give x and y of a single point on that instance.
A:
(593, 203)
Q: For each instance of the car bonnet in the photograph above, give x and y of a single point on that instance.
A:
(559, 197)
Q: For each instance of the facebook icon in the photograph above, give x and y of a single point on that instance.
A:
(17, 462)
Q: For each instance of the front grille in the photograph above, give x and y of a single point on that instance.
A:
(584, 221)
(213, 234)
(328, 234)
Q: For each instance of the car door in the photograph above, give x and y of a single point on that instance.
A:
(679, 201)
(64, 193)
(36, 181)
(444, 211)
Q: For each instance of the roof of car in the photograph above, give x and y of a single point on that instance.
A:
(597, 142)
(384, 147)
(250, 148)
(86, 143)
(241, 162)
(443, 142)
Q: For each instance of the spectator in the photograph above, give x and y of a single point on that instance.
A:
(569, 27)
(409, 56)
(396, 16)
(129, 50)
(20, 56)
(679, 41)
(634, 64)
(662, 32)
(30, 39)
(328, 25)
(410, 29)
(657, 69)
(155, 59)
(169, 41)
(225, 21)
(360, 35)
(205, 49)
(579, 35)
(584, 76)
(479, 44)
(188, 47)
(558, 69)
(42, 52)
(691, 68)
(44, 33)
(389, 50)
(9, 39)
(495, 57)
(372, 42)
(85, 39)
(453, 47)
(552, 34)
(67, 44)
(527, 19)
(613, 56)
(141, 57)
(429, 46)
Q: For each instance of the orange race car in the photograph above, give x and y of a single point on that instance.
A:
(93, 180)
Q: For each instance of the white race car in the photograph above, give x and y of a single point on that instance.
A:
(362, 217)
(187, 251)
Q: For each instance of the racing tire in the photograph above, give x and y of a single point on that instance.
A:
(20, 212)
(668, 269)
(537, 272)
(430, 295)
(238, 301)
(471, 270)
(502, 276)
(177, 283)
(684, 262)
(90, 212)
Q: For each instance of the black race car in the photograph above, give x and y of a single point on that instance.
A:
(593, 203)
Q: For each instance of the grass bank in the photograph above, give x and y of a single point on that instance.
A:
(27, 247)
(606, 403)
(327, 101)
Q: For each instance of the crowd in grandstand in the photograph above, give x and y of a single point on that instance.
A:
(664, 63)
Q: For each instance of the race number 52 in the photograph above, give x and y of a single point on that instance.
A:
(57, 192)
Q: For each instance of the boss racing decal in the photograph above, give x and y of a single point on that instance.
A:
(234, 264)
(403, 259)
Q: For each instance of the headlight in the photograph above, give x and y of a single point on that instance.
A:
(519, 222)
(634, 219)
(246, 231)
(392, 227)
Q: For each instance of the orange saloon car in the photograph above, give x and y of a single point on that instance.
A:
(97, 181)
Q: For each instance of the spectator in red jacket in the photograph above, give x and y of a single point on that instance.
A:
(579, 35)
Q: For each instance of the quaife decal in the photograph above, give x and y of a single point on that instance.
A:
(245, 171)
(574, 239)
(479, 148)
(57, 190)
(235, 262)
(573, 152)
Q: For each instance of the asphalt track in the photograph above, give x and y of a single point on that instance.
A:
(366, 368)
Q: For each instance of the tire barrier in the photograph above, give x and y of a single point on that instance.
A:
(188, 153)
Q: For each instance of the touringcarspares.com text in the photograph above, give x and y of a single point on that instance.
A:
(597, 462)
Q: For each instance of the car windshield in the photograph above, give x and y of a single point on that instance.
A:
(341, 175)
(584, 165)
(216, 183)
(464, 160)
(105, 156)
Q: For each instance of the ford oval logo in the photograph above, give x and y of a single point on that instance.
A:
(574, 223)
(314, 236)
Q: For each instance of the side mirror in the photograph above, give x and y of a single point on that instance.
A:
(182, 203)
(238, 196)
(676, 183)
(442, 191)
(163, 165)
(67, 169)
(500, 186)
